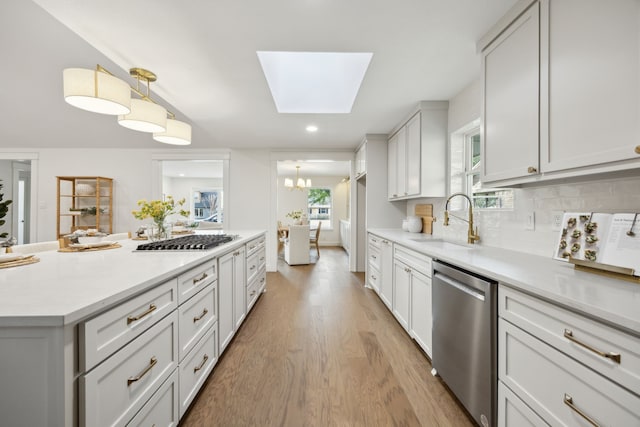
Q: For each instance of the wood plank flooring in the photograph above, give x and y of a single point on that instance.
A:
(319, 349)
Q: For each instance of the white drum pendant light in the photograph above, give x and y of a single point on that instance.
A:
(145, 116)
(96, 91)
(177, 133)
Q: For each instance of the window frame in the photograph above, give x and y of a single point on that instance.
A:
(461, 149)
(327, 224)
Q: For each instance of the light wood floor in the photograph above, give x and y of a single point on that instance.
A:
(319, 349)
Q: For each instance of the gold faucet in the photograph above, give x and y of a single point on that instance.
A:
(472, 236)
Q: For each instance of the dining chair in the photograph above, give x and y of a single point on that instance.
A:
(314, 237)
(296, 246)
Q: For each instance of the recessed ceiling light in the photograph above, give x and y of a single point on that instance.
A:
(312, 128)
(314, 82)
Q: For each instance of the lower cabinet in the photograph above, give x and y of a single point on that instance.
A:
(232, 294)
(114, 391)
(586, 377)
(162, 409)
(196, 367)
(412, 294)
(401, 293)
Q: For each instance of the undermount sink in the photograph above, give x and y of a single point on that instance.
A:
(441, 244)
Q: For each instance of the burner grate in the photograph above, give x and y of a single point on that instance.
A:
(187, 243)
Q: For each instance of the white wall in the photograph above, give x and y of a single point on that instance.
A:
(506, 229)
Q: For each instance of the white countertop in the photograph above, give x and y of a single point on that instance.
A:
(613, 301)
(64, 288)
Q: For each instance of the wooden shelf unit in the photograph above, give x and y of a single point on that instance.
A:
(84, 192)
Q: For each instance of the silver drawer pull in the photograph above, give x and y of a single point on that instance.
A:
(252, 247)
(236, 253)
(253, 267)
(152, 363)
(151, 308)
(261, 258)
(252, 293)
(200, 279)
(568, 400)
(374, 277)
(374, 257)
(204, 313)
(568, 334)
(204, 360)
(262, 280)
(408, 270)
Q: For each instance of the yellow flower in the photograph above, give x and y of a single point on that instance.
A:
(159, 210)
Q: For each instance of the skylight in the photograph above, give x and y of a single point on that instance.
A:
(314, 82)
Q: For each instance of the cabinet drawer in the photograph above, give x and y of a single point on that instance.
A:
(374, 278)
(115, 390)
(413, 259)
(252, 266)
(374, 257)
(254, 288)
(551, 323)
(196, 316)
(162, 409)
(111, 330)
(191, 282)
(195, 368)
(549, 382)
(375, 241)
(255, 244)
(262, 258)
(513, 412)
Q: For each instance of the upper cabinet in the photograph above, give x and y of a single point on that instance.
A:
(511, 83)
(561, 91)
(417, 154)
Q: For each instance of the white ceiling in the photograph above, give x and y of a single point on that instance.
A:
(204, 53)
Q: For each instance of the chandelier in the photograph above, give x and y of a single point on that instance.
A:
(99, 91)
(300, 183)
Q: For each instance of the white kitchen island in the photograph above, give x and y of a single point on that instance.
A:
(45, 341)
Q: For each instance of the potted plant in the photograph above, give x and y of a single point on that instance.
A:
(295, 215)
(159, 210)
(4, 208)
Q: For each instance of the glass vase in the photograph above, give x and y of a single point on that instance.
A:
(159, 231)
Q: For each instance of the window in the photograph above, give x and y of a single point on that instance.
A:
(319, 205)
(465, 158)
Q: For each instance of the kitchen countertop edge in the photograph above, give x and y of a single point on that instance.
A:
(603, 298)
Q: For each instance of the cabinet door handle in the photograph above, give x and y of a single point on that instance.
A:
(532, 169)
(374, 277)
(408, 270)
(197, 318)
(568, 400)
(200, 279)
(253, 267)
(262, 280)
(151, 308)
(151, 364)
(252, 294)
(386, 242)
(204, 360)
(568, 334)
(261, 258)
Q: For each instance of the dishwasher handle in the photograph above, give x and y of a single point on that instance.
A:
(460, 286)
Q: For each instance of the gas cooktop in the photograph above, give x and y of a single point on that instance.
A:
(200, 242)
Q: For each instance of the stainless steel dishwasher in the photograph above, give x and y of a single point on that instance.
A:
(464, 339)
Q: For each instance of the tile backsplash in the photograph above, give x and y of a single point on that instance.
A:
(506, 229)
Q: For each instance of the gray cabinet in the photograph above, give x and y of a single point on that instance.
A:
(417, 153)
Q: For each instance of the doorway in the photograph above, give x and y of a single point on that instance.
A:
(319, 190)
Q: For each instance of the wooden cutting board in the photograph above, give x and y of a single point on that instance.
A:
(426, 212)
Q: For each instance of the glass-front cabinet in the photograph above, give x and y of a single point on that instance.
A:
(84, 203)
